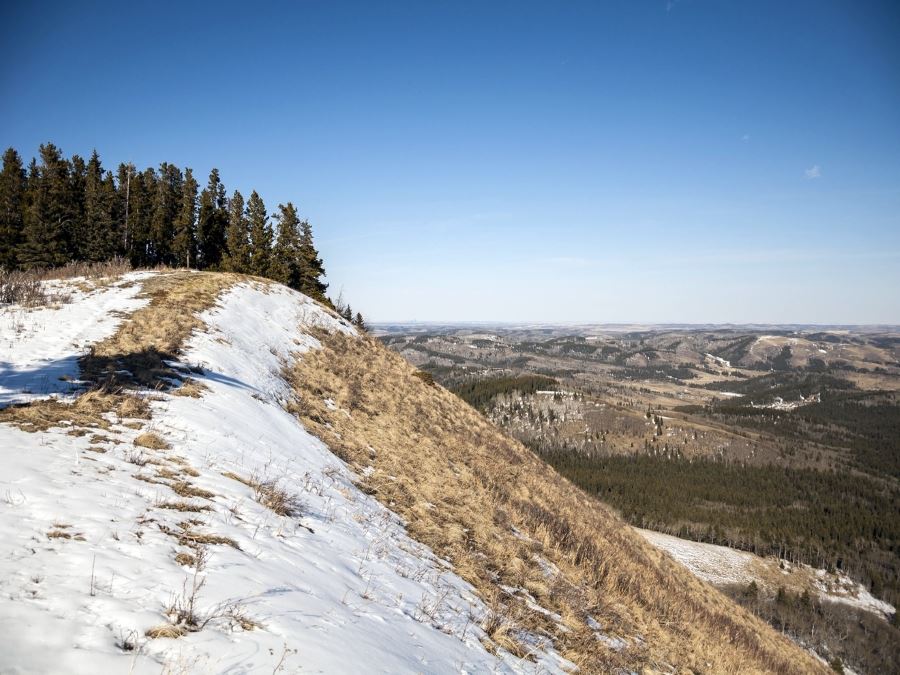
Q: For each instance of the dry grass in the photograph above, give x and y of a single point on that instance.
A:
(184, 488)
(150, 441)
(271, 493)
(192, 388)
(88, 411)
(188, 507)
(136, 354)
(186, 559)
(499, 514)
(165, 630)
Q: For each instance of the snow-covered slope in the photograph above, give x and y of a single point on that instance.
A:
(91, 524)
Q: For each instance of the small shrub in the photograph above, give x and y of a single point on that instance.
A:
(427, 378)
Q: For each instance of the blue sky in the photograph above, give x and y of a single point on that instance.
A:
(632, 160)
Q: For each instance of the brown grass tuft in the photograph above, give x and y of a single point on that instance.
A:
(186, 559)
(192, 388)
(165, 630)
(185, 489)
(152, 441)
(485, 503)
(272, 494)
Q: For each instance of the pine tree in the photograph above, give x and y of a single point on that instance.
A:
(360, 323)
(183, 247)
(311, 269)
(212, 222)
(260, 236)
(286, 266)
(48, 217)
(12, 204)
(237, 237)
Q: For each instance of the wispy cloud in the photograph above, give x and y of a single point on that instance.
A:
(815, 171)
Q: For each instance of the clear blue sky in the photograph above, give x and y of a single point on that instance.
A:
(639, 160)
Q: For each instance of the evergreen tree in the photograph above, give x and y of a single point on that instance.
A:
(12, 204)
(360, 323)
(311, 269)
(260, 236)
(99, 230)
(79, 240)
(287, 263)
(183, 247)
(212, 222)
(167, 198)
(237, 237)
(48, 217)
(143, 187)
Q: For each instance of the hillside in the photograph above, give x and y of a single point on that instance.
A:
(207, 472)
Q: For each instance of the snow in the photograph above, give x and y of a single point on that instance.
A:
(721, 565)
(40, 347)
(338, 588)
(715, 564)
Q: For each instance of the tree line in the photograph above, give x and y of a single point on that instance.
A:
(59, 210)
(835, 520)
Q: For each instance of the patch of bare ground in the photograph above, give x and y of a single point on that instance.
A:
(506, 520)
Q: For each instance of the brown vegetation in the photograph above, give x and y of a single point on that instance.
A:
(504, 518)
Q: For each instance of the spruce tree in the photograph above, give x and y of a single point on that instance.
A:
(183, 247)
(167, 198)
(212, 222)
(237, 237)
(48, 218)
(12, 204)
(78, 234)
(311, 269)
(260, 236)
(287, 264)
(99, 229)
(143, 187)
(360, 323)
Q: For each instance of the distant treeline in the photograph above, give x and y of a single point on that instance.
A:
(479, 393)
(60, 210)
(824, 518)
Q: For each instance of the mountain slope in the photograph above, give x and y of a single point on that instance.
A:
(186, 512)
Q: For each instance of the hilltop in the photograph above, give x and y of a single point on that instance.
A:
(211, 472)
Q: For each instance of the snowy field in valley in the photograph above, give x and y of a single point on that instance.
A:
(90, 525)
(721, 565)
